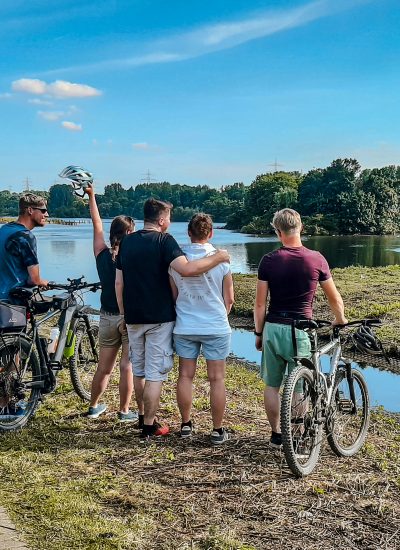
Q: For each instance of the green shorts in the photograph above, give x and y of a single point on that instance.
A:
(278, 352)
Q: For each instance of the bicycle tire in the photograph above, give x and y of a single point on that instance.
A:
(348, 428)
(16, 390)
(84, 362)
(301, 441)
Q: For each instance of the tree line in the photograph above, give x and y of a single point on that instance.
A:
(339, 199)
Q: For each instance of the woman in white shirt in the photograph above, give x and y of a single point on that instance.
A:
(202, 307)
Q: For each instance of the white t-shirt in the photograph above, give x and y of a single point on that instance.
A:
(200, 307)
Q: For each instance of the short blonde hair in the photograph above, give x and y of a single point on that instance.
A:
(287, 221)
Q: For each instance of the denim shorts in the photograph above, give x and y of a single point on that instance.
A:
(214, 348)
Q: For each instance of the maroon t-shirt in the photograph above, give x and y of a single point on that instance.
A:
(292, 275)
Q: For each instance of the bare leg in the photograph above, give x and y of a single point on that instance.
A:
(138, 383)
(184, 388)
(272, 404)
(107, 357)
(216, 376)
(125, 379)
(151, 400)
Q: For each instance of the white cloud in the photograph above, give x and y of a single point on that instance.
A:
(37, 101)
(29, 86)
(221, 36)
(51, 115)
(6, 95)
(141, 146)
(59, 89)
(71, 126)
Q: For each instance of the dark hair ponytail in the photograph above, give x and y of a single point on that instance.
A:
(119, 226)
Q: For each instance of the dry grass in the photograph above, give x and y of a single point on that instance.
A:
(73, 483)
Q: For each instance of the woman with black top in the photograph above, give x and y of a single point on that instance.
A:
(112, 329)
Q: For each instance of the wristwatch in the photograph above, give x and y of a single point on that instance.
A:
(258, 333)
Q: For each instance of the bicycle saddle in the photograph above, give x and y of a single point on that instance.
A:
(22, 292)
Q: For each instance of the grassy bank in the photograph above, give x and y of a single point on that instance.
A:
(73, 483)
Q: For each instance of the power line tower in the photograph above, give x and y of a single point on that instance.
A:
(27, 182)
(275, 165)
(148, 178)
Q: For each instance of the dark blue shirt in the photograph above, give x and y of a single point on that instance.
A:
(18, 251)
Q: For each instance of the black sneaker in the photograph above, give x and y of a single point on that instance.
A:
(276, 440)
(219, 436)
(186, 429)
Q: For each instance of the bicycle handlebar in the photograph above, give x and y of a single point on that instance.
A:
(320, 323)
(74, 284)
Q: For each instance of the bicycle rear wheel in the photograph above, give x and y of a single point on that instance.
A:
(83, 363)
(20, 381)
(349, 419)
(300, 421)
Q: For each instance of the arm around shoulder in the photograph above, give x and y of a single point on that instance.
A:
(197, 267)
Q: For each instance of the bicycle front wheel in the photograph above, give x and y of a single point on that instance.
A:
(83, 363)
(20, 381)
(301, 423)
(349, 422)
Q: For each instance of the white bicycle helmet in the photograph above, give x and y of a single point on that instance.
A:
(79, 177)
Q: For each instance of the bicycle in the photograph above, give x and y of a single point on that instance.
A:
(27, 369)
(312, 400)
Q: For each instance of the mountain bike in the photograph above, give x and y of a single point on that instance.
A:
(312, 400)
(27, 368)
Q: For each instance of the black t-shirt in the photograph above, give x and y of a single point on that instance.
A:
(106, 270)
(144, 258)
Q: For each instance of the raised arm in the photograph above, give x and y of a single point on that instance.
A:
(99, 242)
(228, 292)
(259, 310)
(335, 301)
(197, 267)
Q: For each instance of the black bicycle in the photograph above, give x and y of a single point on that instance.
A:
(312, 400)
(28, 365)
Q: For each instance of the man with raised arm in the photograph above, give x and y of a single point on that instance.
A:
(289, 276)
(145, 298)
(19, 264)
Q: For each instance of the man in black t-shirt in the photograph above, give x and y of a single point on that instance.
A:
(145, 299)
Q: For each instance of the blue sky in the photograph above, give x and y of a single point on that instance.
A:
(197, 92)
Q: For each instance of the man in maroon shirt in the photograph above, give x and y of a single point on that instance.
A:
(290, 276)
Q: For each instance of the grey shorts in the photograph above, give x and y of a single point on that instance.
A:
(112, 333)
(150, 350)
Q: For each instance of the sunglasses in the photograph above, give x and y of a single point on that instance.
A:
(43, 210)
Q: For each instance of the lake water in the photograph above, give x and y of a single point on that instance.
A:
(66, 251)
(383, 386)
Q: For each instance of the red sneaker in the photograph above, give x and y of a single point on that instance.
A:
(157, 431)
(161, 430)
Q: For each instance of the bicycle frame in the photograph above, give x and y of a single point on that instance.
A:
(334, 350)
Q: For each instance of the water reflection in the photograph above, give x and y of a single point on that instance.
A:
(368, 251)
(384, 387)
